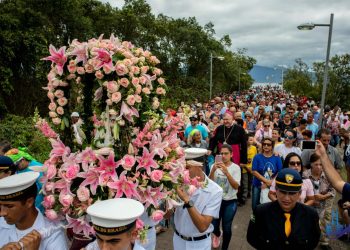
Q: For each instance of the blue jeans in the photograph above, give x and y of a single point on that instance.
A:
(227, 213)
(255, 197)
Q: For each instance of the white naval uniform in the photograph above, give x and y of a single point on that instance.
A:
(94, 246)
(151, 234)
(56, 241)
(207, 201)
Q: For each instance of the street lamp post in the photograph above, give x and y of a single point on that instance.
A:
(310, 26)
(211, 71)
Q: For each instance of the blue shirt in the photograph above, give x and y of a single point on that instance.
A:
(266, 166)
(314, 128)
(204, 132)
(39, 197)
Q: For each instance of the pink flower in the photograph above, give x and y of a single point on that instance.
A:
(83, 194)
(52, 114)
(146, 161)
(103, 58)
(72, 68)
(116, 97)
(146, 91)
(80, 226)
(107, 69)
(160, 91)
(89, 68)
(124, 82)
(56, 121)
(128, 161)
(127, 62)
(156, 175)
(130, 100)
(49, 186)
(191, 190)
(81, 70)
(144, 69)
(121, 69)
(81, 53)
(71, 76)
(161, 81)
(59, 93)
(135, 81)
(51, 170)
(98, 94)
(154, 60)
(106, 168)
(65, 199)
(99, 74)
(49, 201)
(60, 111)
(138, 89)
(63, 84)
(72, 171)
(62, 101)
(58, 57)
(51, 214)
(139, 224)
(157, 71)
(91, 177)
(58, 148)
(135, 70)
(112, 86)
(138, 98)
(143, 80)
(124, 186)
(128, 112)
(50, 95)
(157, 216)
(157, 145)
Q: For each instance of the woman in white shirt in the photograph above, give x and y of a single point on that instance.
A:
(228, 176)
(287, 146)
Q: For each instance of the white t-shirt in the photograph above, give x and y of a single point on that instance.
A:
(283, 151)
(229, 193)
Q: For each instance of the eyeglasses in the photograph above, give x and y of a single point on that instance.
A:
(266, 126)
(225, 153)
(295, 163)
(266, 144)
(289, 137)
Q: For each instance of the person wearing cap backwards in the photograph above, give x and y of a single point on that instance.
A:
(21, 221)
(285, 223)
(114, 222)
(192, 221)
(7, 167)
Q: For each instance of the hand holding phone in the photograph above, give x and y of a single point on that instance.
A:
(308, 145)
(218, 158)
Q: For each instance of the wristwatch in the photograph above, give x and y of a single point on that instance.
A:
(188, 204)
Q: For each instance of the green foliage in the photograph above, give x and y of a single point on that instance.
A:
(27, 27)
(20, 132)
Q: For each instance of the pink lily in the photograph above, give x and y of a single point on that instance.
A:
(128, 112)
(91, 177)
(80, 51)
(106, 168)
(63, 186)
(124, 186)
(58, 57)
(103, 57)
(85, 157)
(80, 225)
(58, 148)
(157, 145)
(146, 161)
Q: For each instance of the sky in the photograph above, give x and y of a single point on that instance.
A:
(268, 28)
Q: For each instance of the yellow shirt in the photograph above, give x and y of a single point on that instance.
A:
(251, 152)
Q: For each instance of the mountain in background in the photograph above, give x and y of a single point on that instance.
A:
(263, 74)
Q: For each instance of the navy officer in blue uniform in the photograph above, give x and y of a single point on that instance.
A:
(285, 223)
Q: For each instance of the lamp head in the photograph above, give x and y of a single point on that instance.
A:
(306, 26)
(220, 58)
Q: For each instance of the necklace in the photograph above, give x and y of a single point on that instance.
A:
(225, 138)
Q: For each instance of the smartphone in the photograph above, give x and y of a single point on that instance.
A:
(308, 145)
(218, 158)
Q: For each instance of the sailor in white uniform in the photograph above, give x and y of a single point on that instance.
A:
(151, 237)
(114, 222)
(193, 221)
(21, 223)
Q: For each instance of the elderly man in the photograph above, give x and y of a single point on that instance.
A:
(231, 134)
(193, 220)
(285, 223)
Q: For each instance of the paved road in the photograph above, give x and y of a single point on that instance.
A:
(238, 241)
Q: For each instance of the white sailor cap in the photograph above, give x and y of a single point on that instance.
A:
(16, 186)
(74, 114)
(115, 216)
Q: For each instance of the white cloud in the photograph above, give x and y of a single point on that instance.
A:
(268, 28)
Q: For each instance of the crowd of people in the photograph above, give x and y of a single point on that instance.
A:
(255, 150)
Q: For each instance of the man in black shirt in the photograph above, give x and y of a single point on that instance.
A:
(285, 223)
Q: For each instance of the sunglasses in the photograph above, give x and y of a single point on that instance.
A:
(266, 144)
(289, 137)
(295, 163)
(266, 126)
